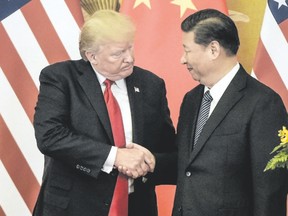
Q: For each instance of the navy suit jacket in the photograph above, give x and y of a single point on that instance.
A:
(223, 175)
(73, 131)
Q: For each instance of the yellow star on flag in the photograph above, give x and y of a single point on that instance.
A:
(184, 5)
(146, 2)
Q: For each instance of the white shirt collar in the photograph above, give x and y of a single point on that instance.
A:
(121, 84)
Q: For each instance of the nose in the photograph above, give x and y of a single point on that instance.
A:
(183, 59)
(129, 56)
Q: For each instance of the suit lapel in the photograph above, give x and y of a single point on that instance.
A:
(187, 121)
(194, 107)
(135, 94)
(230, 97)
(90, 85)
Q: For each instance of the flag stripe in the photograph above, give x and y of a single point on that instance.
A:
(44, 32)
(268, 74)
(1, 210)
(20, 126)
(276, 45)
(34, 59)
(10, 199)
(74, 7)
(17, 167)
(64, 24)
(17, 74)
(284, 28)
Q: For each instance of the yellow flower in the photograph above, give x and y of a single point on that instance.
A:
(280, 160)
(283, 134)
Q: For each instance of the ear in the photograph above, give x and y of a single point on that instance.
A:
(215, 49)
(91, 56)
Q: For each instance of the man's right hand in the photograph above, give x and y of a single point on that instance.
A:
(134, 160)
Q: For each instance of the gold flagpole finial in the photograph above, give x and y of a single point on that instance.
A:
(91, 6)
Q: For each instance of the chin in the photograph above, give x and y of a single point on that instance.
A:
(194, 76)
(127, 72)
(123, 75)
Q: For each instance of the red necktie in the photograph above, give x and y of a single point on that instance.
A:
(119, 205)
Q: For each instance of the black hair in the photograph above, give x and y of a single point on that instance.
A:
(209, 25)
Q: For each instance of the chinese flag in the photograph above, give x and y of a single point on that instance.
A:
(158, 47)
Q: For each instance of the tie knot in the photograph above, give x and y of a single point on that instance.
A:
(207, 96)
(108, 83)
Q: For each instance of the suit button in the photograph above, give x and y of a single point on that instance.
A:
(180, 209)
(188, 174)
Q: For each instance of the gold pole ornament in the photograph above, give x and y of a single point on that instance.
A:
(91, 6)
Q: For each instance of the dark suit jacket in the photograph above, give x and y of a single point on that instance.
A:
(223, 175)
(73, 132)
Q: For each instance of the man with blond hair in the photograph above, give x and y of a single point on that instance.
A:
(104, 127)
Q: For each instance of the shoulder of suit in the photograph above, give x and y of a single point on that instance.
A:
(259, 87)
(66, 67)
(138, 71)
(196, 90)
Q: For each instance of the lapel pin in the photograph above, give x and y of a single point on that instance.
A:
(144, 179)
(136, 89)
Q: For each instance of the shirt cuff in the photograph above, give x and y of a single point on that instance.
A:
(109, 163)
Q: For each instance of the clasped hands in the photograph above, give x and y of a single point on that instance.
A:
(134, 160)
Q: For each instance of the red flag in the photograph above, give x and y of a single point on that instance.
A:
(40, 33)
(158, 47)
(158, 44)
(270, 65)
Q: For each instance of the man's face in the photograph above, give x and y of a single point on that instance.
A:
(196, 57)
(115, 60)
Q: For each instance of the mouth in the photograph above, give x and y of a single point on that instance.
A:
(189, 69)
(127, 67)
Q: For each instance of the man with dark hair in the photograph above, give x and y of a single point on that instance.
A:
(227, 127)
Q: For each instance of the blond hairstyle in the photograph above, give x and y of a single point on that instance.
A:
(105, 26)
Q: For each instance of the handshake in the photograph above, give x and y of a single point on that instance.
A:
(134, 160)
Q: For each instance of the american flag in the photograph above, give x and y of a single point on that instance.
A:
(271, 62)
(40, 33)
